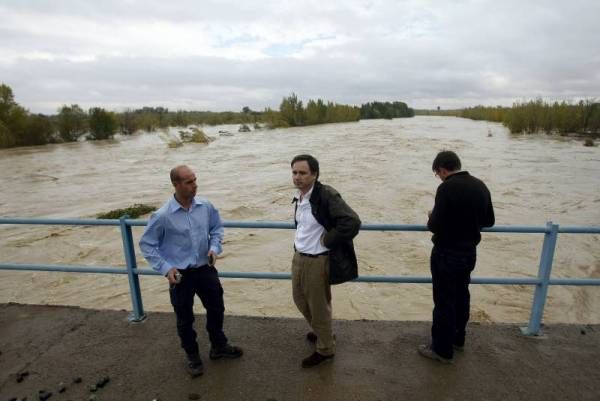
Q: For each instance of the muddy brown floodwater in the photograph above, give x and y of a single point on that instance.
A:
(381, 167)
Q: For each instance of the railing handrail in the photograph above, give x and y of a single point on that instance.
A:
(541, 283)
(290, 225)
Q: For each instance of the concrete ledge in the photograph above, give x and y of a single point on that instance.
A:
(375, 360)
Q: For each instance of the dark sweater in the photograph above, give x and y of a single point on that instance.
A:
(463, 206)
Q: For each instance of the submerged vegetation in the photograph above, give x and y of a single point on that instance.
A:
(135, 211)
(536, 116)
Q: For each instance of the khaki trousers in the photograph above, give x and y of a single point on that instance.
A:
(312, 296)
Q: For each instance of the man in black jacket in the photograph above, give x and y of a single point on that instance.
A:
(324, 253)
(463, 206)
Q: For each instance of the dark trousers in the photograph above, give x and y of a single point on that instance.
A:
(204, 282)
(451, 275)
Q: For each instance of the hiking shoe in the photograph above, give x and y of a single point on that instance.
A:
(227, 351)
(427, 352)
(194, 366)
(314, 359)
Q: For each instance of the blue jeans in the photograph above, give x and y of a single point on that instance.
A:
(204, 282)
(451, 275)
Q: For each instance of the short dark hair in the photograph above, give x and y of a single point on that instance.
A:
(313, 164)
(446, 159)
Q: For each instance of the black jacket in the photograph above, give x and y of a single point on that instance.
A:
(463, 206)
(341, 225)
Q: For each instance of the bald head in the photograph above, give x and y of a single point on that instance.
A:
(178, 172)
(184, 182)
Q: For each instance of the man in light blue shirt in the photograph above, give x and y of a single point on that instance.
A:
(181, 241)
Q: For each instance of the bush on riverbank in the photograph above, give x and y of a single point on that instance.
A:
(135, 211)
(536, 116)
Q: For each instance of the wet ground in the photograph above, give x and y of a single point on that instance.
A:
(375, 360)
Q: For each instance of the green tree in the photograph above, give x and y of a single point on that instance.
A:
(291, 111)
(128, 122)
(103, 124)
(71, 122)
(13, 119)
(180, 119)
(39, 130)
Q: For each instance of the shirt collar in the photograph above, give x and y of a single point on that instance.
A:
(174, 205)
(307, 196)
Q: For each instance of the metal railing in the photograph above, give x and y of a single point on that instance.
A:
(541, 283)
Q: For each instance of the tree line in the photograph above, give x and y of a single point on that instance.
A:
(18, 127)
(536, 116)
(292, 112)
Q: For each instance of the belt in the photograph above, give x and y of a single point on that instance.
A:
(310, 255)
(193, 267)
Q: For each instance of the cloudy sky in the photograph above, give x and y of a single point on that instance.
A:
(223, 55)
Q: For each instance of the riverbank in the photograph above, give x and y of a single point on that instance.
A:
(376, 360)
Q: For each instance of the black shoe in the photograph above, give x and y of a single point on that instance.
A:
(311, 337)
(428, 352)
(314, 359)
(194, 366)
(227, 351)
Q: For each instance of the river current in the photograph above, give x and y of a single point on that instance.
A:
(382, 168)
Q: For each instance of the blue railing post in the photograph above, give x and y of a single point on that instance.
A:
(541, 289)
(134, 283)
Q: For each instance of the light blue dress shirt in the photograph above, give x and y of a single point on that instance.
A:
(180, 238)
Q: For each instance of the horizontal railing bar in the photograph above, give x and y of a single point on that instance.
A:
(289, 225)
(579, 230)
(272, 276)
(280, 225)
(64, 268)
(574, 281)
(70, 222)
(287, 276)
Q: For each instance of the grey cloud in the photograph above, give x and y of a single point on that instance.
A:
(423, 53)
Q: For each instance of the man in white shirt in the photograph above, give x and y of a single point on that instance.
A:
(324, 252)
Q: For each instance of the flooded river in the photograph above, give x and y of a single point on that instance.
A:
(381, 167)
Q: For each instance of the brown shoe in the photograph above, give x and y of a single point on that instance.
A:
(427, 352)
(314, 359)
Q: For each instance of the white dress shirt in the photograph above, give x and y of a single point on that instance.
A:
(308, 230)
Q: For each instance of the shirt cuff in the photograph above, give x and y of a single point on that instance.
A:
(164, 268)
